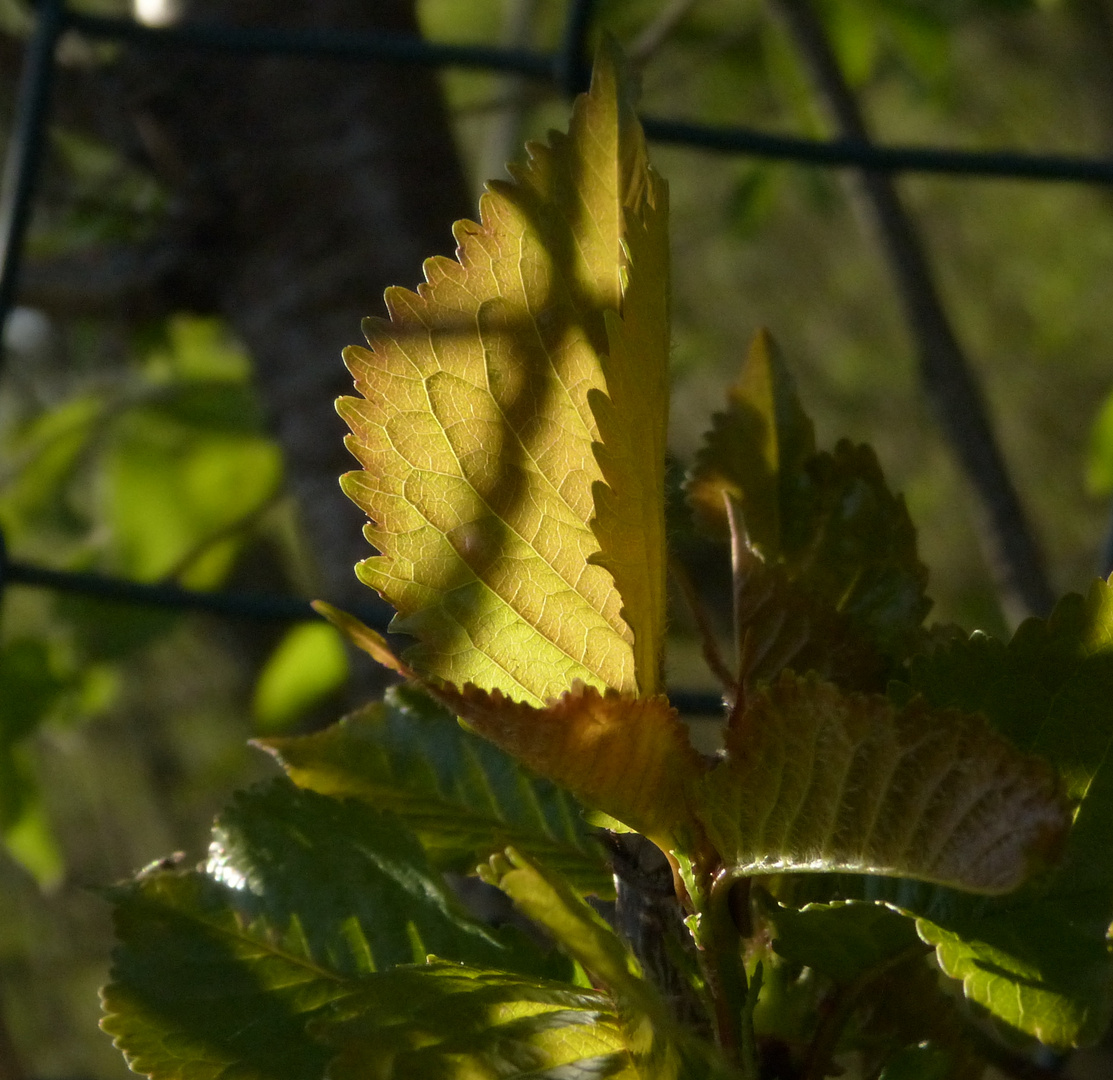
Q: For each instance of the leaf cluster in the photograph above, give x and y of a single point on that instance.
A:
(893, 805)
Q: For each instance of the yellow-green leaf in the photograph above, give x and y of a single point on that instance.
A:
(476, 433)
(817, 779)
(633, 419)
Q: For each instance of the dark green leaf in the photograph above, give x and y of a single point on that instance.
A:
(355, 879)
(203, 983)
(462, 796)
(842, 940)
(1040, 959)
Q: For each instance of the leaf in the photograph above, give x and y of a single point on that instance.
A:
(307, 665)
(819, 780)
(783, 626)
(445, 1022)
(633, 418)
(841, 940)
(547, 900)
(383, 904)
(304, 900)
(1039, 960)
(202, 983)
(754, 451)
(844, 540)
(659, 1046)
(629, 757)
(463, 797)
(476, 433)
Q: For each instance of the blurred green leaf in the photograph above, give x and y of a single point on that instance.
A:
(307, 665)
(198, 349)
(173, 489)
(463, 797)
(1099, 460)
(43, 459)
(923, 1062)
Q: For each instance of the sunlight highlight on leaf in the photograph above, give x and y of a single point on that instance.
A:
(476, 429)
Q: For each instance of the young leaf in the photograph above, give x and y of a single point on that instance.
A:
(1039, 960)
(844, 539)
(633, 418)
(815, 779)
(629, 757)
(755, 451)
(476, 430)
(446, 1022)
(463, 797)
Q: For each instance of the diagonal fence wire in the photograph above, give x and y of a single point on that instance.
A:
(567, 68)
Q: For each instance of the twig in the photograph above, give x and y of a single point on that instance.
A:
(1014, 556)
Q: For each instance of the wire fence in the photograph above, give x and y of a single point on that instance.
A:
(567, 68)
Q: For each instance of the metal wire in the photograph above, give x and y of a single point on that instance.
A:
(567, 68)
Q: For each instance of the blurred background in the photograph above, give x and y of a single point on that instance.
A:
(208, 232)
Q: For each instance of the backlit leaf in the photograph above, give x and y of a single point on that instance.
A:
(755, 451)
(446, 1022)
(477, 427)
(629, 757)
(550, 902)
(463, 797)
(817, 780)
(633, 418)
(844, 540)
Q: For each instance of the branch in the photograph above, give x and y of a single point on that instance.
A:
(1012, 550)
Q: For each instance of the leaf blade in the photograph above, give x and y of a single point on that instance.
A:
(476, 435)
(463, 797)
(818, 780)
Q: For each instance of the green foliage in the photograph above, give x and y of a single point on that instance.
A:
(881, 788)
(461, 795)
(308, 664)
